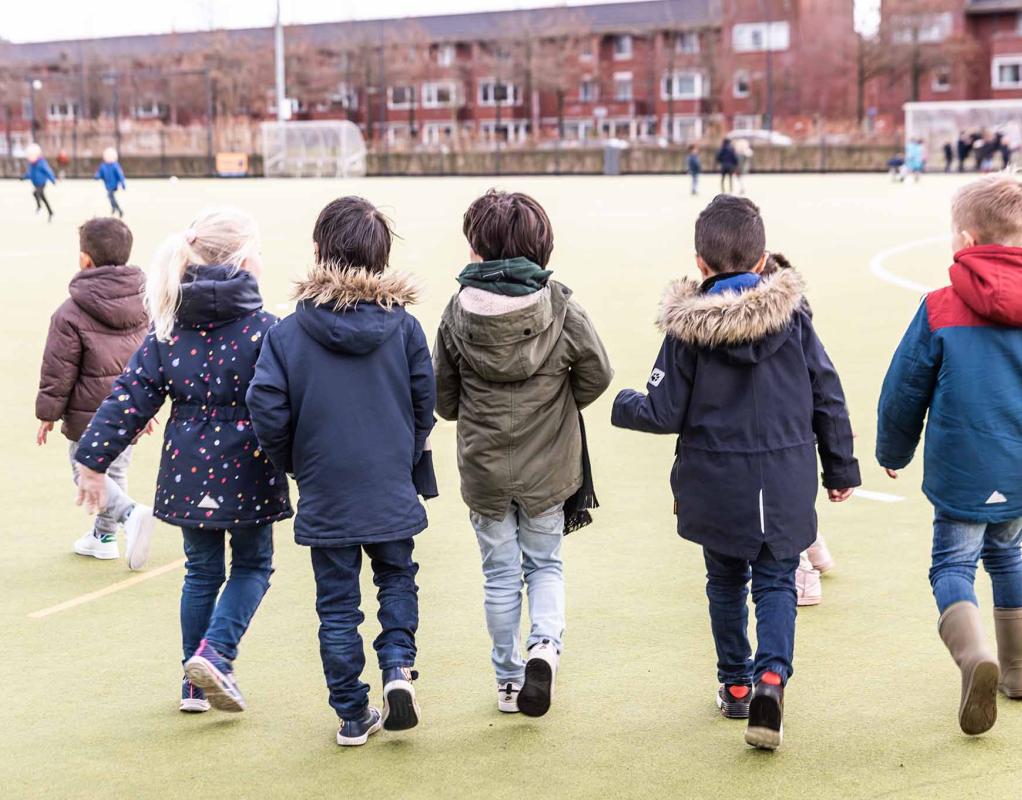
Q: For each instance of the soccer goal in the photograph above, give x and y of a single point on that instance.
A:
(940, 123)
(318, 149)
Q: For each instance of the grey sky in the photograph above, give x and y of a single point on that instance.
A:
(23, 21)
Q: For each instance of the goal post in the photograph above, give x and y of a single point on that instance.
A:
(938, 123)
(313, 149)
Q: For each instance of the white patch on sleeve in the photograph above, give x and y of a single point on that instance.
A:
(657, 377)
(996, 498)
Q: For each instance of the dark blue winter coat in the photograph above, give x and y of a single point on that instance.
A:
(693, 165)
(212, 473)
(960, 365)
(343, 398)
(112, 176)
(746, 384)
(727, 158)
(39, 173)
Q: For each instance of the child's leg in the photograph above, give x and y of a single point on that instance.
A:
(114, 206)
(204, 575)
(118, 504)
(727, 590)
(773, 592)
(340, 646)
(540, 539)
(502, 575)
(251, 567)
(957, 546)
(42, 196)
(394, 575)
(1002, 559)
(37, 194)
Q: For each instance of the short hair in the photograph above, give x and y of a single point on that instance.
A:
(502, 225)
(990, 208)
(730, 236)
(107, 241)
(353, 233)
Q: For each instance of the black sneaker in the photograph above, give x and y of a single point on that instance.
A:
(733, 702)
(766, 715)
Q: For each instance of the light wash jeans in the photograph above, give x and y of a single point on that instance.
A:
(959, 545)
(517, 547)
(118, 504)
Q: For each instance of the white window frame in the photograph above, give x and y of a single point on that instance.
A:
(743, 122)
(61, 110)
(436, 133)
(402, 106)
(587, 51)
(938, 85)
(151, 110)
(346, 96)
(772, 36)
(1013, 59)
(589, 90)
(514, 95)
(686, 42)
(697, 78)
(622, 79)
(626, 52)
(931, 28)
(446, 55)
(429, 94)
(693, 123)
(741, 76)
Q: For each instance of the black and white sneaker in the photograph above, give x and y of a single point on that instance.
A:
(540, 670)
(733, 700)
(766, 714)
(400, 707)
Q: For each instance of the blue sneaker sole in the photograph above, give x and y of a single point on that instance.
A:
(213, 682)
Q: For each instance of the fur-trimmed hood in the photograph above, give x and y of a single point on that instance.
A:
(730, 319)
(347, 287)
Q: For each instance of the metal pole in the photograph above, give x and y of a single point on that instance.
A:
(209, 122)
(117, 111)
(31, 106)
(768, 122)
(278, 48)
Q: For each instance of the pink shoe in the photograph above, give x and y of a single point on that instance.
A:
(808, 588)
(820, 556)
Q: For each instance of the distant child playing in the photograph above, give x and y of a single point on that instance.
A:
(92, 336)
(745, 384)
(516, 359)
(112, 175)
(208, 327)
(343, 398)
(693, 167)
(39, 173)
(958, 368)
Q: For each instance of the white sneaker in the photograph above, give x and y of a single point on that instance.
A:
(540, 670)
(138, 529)
(507, 697)
(90, 545)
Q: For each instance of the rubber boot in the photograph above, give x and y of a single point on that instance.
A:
(1008, 625)
(961, 629)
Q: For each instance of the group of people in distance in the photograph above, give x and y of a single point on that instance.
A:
(39, 173)
(734, 160)
(341, 395)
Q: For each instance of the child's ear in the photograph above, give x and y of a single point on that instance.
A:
(704, 268)
(760, 264)
(968, 239)
(85, 261)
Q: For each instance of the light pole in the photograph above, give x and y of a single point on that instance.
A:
(768, 117)
(34, 85)
(278, 49)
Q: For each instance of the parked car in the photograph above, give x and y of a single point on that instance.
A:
(761, 136)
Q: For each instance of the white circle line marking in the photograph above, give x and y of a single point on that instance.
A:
(879, 270)
(113, 587)
(880, 497)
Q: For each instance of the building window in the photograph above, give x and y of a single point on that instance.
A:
(922, 28)
(622, 46)
(686, 42)
(61, 111)
(437, 133)
(747, 122)
(400, 97)
(491, 93)
(681, 86)
(756, 37)
(439, 94)
(149, 110)
(445, 55)
(345, 97)
(588, 91)
(623, 87)
(586, 53)
(942, 79)
(740, 84)
(1018, 23)
(686, 129)
(1007, 72)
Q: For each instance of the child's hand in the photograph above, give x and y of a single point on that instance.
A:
(91, 489)
(839, 495)
(891, 473)
(146, 431)
(44, 428)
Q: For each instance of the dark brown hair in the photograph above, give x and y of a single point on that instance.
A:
(503, 225)
(352, 232)
(730, 236)
(107, 241)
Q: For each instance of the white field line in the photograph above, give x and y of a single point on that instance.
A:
(880, 497)
(113, 587)
(879, 270)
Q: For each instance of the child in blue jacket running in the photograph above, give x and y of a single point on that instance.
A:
(39, 173)
(112, 175)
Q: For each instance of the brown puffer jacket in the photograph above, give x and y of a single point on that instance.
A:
(92, 336)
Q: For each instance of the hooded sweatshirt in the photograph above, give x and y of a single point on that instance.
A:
(343, 398)
(959, 364)
(92, 336)
(515, 383)
(744, 383)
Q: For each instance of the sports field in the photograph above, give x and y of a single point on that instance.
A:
(90, 698)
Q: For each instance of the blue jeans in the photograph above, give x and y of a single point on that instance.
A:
(112, 197)
(338, 597)
(515, 548)
(957, 548)
(223, 622)
(695, 182)
(773, 592)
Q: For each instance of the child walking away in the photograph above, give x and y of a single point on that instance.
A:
(693, 167)
(208, 327)
(957, 368)
(727, 159)
(39, 173)
(745, 384)
(343, 398)
(112, 175)
(92, 336)
(516, 360)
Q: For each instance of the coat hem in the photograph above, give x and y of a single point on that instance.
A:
(713, 543)
(990, 517)
(221, 524)
(355, 540)
(555, 498)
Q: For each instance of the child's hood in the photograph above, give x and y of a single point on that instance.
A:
(988, 278)
(510, 347)
(216, 294)
(112, 294)
(749, 325)
(353, 310)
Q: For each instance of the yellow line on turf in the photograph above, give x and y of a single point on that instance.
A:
(113, 587)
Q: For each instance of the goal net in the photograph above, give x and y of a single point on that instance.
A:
(940, 123)
(319, 149)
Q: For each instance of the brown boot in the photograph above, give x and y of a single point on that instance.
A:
(1008, 625)
(962, 631)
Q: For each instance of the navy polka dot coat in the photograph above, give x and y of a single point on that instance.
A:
(212, 472)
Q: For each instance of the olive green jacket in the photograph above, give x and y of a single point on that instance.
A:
(515, 383)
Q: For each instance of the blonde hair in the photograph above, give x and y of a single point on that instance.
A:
(222, 236)
(110, 155)
(990, 208)
(33, 152)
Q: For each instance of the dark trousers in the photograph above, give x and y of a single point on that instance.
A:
(114, 207)
(223, 622)
(729, 177)
(773, 592)
(338, 599)
(39, 193)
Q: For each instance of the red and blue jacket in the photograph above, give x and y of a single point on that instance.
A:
(960, 365)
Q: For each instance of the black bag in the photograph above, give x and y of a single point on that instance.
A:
(576, 507)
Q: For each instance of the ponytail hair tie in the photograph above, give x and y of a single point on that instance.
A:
(191, 235)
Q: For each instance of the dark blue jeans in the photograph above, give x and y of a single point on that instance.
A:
(338, 598)
(112, 197)
(773, 592)
(957, 548)
(222, 623)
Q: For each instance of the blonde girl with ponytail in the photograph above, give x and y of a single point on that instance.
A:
(208, 326)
